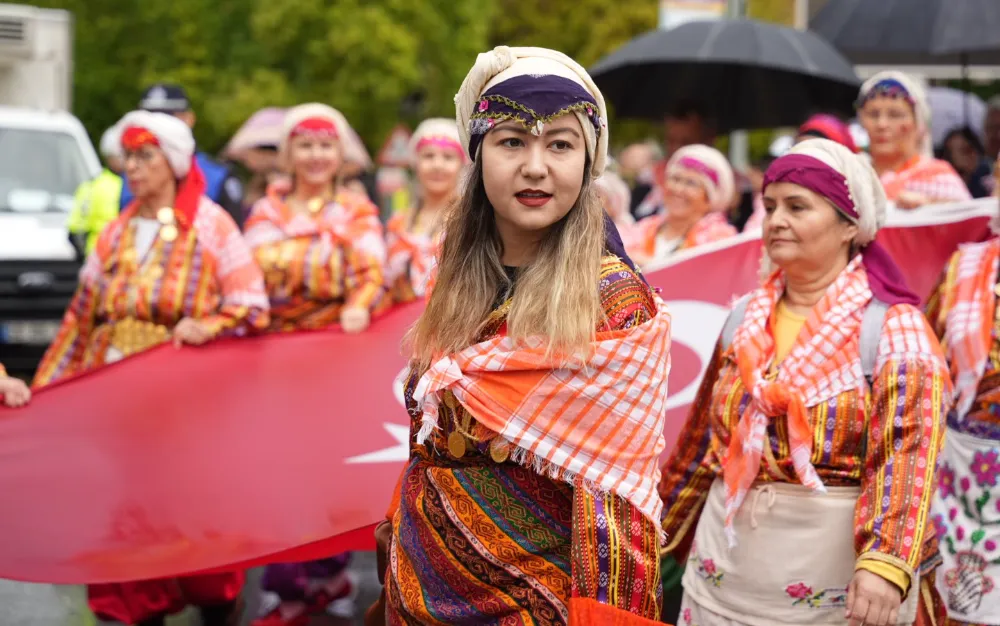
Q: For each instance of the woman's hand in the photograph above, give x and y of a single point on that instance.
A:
(383, 535)
(192, 332)
(14, 391)
(354, 319)
(872, 600)
(911, 200)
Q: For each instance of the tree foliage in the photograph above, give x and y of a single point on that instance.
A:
(365, 57)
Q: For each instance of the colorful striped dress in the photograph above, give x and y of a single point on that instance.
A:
(134, 288)
(316, 265)
(478, 539)
(129, 299)
(883, 440)
(411, 258)
(963, 310)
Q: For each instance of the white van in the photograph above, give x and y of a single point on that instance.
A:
(44, 156)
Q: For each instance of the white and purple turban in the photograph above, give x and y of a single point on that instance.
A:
(711, 168)
(894, 84)
(532, 86)
(851, 185)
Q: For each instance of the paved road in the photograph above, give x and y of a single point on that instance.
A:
(23, 604)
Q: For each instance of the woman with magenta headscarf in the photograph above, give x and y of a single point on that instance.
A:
(813, 440)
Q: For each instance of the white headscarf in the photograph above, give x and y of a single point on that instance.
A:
(351, 144)
(503, 63)
(173, 135)
(720, 191)
(435, 127)
(863, 183)
(111, 144)
(921, 109)
(618, 195)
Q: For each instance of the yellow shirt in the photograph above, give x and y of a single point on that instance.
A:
(786, 328)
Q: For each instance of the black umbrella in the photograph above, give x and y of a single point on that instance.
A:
(912, 32)
(743, 73)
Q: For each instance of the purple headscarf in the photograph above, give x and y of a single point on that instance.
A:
(886, 281)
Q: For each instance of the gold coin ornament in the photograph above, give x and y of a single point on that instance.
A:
(499, 451)
(155, 272)
(315, 205)
(456, 445)
(168, 233)
(165, 215)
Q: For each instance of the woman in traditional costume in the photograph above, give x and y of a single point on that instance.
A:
(801, 490)
(319, 244)
(697, 187)
(529, 496)
(413, 237)
(321, 249)
(13, 391)
(171, 267)
(893, 109)
(963, 311)
(617, 198)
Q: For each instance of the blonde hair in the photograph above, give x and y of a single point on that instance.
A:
(557, 296)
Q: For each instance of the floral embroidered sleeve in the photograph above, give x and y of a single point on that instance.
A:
(65, 354)
(691, 469)
(615, 549)
(365, 259)
(905, 434)
(244, 305)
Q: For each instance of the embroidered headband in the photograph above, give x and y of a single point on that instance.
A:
(890, 88)
(135, 137)
(315, 127)
(693, 164)
(532, 101)
(441, 141)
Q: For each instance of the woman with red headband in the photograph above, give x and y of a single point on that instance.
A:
(171, 267)
(321, 248)
(319, 244)
(697, 189)
(413, 237)
(893, 109)
(814, 437)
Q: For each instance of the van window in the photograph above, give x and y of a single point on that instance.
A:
(39, 162)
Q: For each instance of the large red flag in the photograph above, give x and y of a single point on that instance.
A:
(287, 447)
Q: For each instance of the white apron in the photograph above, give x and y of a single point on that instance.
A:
(967, 517)
(792, 565)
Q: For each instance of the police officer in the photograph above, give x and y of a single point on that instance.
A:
(97, 201)
(220, 184)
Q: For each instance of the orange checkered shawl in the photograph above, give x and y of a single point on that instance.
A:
(970, 318)
(600, 425)
(818, 368)
(711, 228)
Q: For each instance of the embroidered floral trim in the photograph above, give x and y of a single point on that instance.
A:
(484, 119)
(803, 594)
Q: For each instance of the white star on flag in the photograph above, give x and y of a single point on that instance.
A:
(395, 454)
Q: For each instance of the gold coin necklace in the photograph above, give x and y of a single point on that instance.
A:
(168, 224)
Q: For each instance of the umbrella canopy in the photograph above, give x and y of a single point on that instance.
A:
(912, 32)
(262, 130)
(745, 74)
(954, 108)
